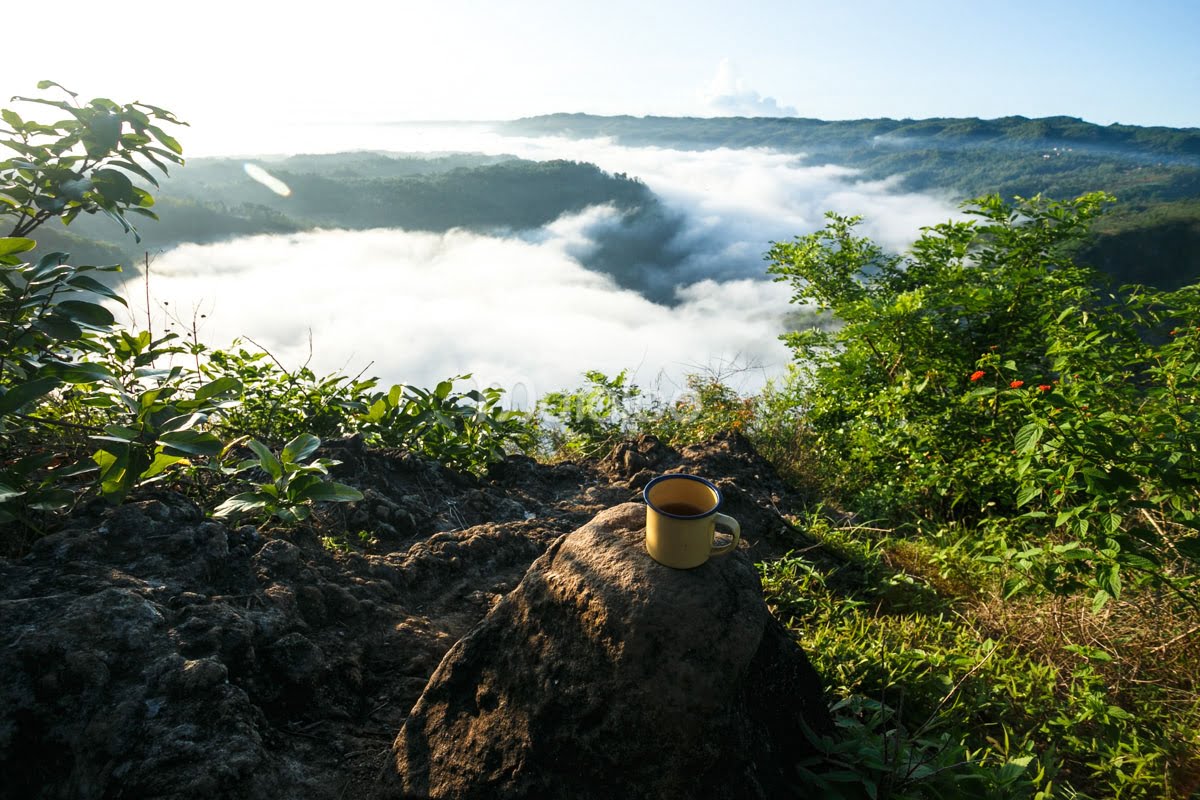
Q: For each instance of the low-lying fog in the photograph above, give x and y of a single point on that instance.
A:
(520, 311)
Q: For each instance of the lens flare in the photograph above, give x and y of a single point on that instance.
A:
(268, 180)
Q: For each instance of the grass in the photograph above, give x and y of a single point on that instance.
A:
(943, 688)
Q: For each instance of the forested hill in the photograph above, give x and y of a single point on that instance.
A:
(1152, 236)
(214, 199)
(971, 156)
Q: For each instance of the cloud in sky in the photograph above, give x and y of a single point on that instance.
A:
(728, 95)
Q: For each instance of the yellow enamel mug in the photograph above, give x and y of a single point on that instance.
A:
(681, 521)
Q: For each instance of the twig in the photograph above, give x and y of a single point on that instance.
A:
(853, 528)
(146, 282)
(954, 689)
(291, 380)
(1165, 645)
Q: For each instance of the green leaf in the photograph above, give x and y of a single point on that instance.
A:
(242, 504)
(1116, 712)
(51, 84)
(1075, 552)
(1028, 437)
(1138, 561)
(96, 316)
(165, 140)
(121, 433)
(183, 422)
(136, 169)
(160, 464)
(191, 442)
(48, 263)
(1013, 586)
(114, 186)
(15, 244)
(1027, 493)
(90, 284)
(301, 481)
(103, 134)
(332, 492)
(290, 514)
(59, 328)
(1108, 578)
(84, 372)
(300, 448)
(266, 459)
(220, 388)
(24, 393)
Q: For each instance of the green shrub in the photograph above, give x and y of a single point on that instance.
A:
(277, 404)
(295, 482)
(984, 377)
(50, 317)
(463, 430)
(590, 420)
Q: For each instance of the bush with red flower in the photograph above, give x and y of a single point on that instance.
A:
(1114, 425)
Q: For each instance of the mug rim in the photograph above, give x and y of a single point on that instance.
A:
(698, 479)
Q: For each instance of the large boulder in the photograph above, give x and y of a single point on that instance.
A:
(605, 674)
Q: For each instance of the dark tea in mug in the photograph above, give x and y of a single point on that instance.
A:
(681, 509)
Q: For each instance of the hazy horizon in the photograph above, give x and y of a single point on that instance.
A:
(237, 65)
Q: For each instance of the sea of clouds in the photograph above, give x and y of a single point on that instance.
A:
(520, 311)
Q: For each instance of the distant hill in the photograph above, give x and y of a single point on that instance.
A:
(972, 156)
(1153, 236)
(211, 200)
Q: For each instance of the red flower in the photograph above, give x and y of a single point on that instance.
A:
(1016, 384)
(977, 374)
(1172, 333)
(1043, 387)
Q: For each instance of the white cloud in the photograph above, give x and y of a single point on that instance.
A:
(728, 95)
(426, 306)
(521, 311)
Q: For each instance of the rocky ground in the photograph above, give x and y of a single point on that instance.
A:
(148, 652)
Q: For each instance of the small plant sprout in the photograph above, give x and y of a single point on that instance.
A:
(293, 484)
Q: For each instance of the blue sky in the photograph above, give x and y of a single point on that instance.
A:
(225, 63)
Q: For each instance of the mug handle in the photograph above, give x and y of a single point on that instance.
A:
(735, 529)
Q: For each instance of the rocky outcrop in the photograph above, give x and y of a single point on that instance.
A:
(148, 652)
(605, 674)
